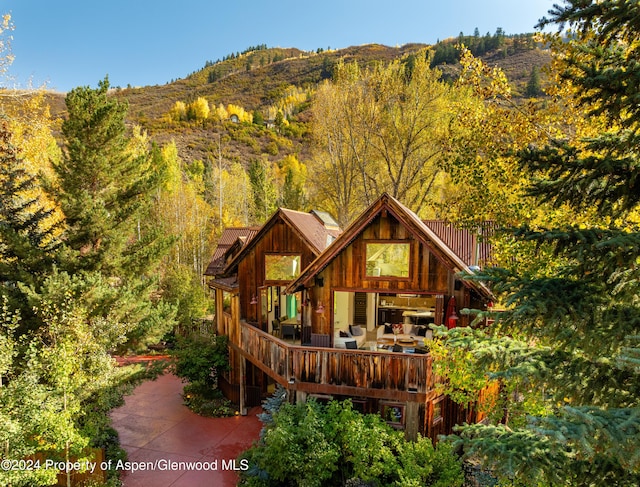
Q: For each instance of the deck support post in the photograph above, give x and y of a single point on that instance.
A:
(243, 386)
(301, 396)
(412, 420)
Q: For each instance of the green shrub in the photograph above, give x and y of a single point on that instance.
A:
(206, 401)
(272, 148)
(198, 360)
(335, 445)
(182, 288)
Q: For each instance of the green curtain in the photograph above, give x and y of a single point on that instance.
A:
(292, 306)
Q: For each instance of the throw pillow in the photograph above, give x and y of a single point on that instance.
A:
(344, 334)
(356, 330)
(388, 329)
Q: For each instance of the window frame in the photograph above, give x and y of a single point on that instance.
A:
(408, 277)
(280, 254)
(386, 406)
(437, 405)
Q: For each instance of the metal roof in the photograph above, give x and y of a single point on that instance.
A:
(471, 245)
(229, 284)
(311, 228)
(228, 238)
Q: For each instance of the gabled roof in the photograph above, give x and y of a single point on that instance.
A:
(229, 238)
(421, 231)
(311, 228)
(308, 227)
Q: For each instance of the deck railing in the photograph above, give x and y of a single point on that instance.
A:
(372, 373)
(267, 349)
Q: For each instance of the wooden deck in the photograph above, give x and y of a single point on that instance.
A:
(356, 373)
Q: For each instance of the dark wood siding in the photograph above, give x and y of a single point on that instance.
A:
(348, 269)
(280, 238)
(427, 273)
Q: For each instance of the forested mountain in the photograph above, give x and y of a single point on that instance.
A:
(329, 129)
(260, 80)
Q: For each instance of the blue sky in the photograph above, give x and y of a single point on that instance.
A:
(139, 42)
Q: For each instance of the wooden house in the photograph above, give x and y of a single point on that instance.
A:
(387, 268)
(400, 263)
(249, 271)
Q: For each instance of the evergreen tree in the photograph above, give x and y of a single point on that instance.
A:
(29, 228)
(533, 85)
(258, 118)
(106, 181)
(264, 191)
(499, 37)
(293, 196)
(327, 68)
(279, 120)
(579, 321)
(103, 186)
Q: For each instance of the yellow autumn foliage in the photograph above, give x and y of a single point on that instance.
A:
(30, 123)
(241, 113)
(178, 112)
(198, 109)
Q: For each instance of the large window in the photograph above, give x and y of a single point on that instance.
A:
(388, 259)
(281, 267)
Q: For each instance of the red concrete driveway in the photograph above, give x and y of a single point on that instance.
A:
(169, 446)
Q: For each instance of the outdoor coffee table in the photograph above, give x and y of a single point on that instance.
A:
(388, 343)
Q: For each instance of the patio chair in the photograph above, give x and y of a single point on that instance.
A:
(275, 327)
